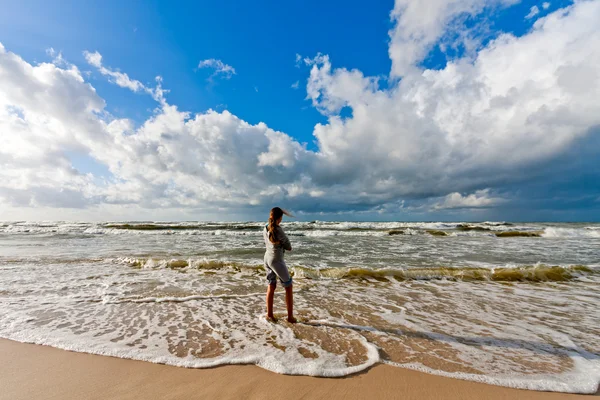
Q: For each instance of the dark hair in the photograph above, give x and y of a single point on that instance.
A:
(275, 214)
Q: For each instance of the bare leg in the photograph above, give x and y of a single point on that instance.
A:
(289, 302)
(270, 296)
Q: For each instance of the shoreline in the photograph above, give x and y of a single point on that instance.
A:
(35, 371)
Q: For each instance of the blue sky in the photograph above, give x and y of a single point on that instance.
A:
(261, 41)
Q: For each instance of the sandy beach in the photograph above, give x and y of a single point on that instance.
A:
(31, 371)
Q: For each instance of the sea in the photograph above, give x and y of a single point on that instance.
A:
(510, 304)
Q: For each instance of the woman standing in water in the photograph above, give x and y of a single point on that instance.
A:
(277, 243)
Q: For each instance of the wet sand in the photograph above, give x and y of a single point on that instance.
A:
(30, 371)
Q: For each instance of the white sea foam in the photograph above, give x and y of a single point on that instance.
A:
(287, 362)
(174, 299)
(130, 324)
(555, 232)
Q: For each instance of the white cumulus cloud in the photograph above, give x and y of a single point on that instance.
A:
(219, 67)
(420, 24)
(479, 199)
(533, 11)
(119, 78)
(455, 134)
(471, 124)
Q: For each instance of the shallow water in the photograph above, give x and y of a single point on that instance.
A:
(508, 304)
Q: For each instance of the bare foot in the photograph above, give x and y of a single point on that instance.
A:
(271, 318)
(292, 320)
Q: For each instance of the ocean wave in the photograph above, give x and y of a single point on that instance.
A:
(587, 232)
(170, 305)
(309, 229)
(174, 263)
(522, 273)
(182, 231)
(525, 273)
(42, 228)
(181, 227)
(175, 299)
(519, 234)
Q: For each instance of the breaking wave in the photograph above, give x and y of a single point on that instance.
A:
(309, 229)
(522, 273)
(526, 273)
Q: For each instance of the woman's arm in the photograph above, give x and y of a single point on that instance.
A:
(283, 239)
